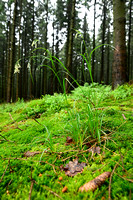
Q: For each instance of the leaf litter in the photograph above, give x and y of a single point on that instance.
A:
(74, 167)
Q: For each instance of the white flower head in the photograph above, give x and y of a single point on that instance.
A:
(29, 65)
(17, 67)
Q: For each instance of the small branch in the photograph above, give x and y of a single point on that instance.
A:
(6, 139)
(52, 192)
(14, 122)
(19, 128)
(37, 121)
(111, 180)
(81, 152)
(130, 180)
(31, 187)
(12, 118)
(32, 184)
(53, 166)
(5, 171)
(100, 168)
(124, 169)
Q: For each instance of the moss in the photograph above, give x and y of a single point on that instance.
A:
(58, 119)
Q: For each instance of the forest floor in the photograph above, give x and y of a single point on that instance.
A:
(52, 146)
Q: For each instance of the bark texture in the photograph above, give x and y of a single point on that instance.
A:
(70, 46)
(119, 74)
(12, 54)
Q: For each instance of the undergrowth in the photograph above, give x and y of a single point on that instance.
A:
(92, 115)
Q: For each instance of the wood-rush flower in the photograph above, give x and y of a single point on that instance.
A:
(17, 68)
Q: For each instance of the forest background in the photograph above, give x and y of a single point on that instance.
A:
(32, 58)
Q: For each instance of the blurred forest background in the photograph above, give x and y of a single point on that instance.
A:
(34, 34)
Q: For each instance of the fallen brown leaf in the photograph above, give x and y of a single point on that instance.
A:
(69, 140)
(74, 167)
(30, 154)
(95, 183)
(95, 150)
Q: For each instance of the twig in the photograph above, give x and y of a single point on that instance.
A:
(100, 168)
(51, 165)
(32, 184)
(37, 121)
(111, 151)
(12, 118)
(130, 180)
(111, 180)
(5, 171)
(121, 158)
(6, 139)
(31, 187)
(19, 128)
(81, 152)
(130, 194)
(52, 192)
(14, 122)
(124, 169)
(35, 161)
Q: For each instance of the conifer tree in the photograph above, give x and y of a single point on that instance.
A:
(119, 73)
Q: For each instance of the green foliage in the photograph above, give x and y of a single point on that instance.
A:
(47, 105)
(92, 92)
(123, 91)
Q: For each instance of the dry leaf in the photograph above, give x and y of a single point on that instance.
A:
(95, 150)
(64, 189)
(69, 140)
(74, 167)
(95, 183)
(30, 154)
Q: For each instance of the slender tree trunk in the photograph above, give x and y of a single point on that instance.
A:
(57, 56)
(119, 75)
(18, 74)
(12, 55)
(70, 47)
(32, 81)
(2, 74)
(108, 54)
(94, 32)
(103, 41)
(84, 50)
(129, 40)
(52, 74)
(25, 70)
(44, 81)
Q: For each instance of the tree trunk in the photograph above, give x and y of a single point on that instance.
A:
(44, 78)
(32, 81)
(108, 54)
(12, 54)
(18, 74)
(103, 41)
(70, 47)
(119, 75)
(129, 40)
(94, 32)
(84, 50)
